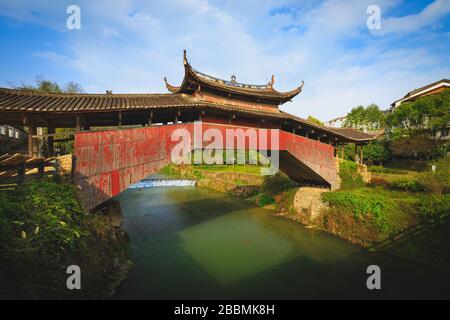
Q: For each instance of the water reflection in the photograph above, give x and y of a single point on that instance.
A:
(189, 243)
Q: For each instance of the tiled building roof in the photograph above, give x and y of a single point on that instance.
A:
(196, 80)
(62, 103)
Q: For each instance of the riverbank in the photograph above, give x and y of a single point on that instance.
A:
(392, 211)
(197, 243)
(43, 230)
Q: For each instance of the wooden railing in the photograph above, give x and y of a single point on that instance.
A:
(19, 168)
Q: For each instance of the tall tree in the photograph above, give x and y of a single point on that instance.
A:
(426, 115)
(369, 118)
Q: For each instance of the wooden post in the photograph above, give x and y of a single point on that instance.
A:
(120, 119)
(361, 156)
(41, 169)
(78, 124)
(150, 118)
(176, 117)
(31, 133)
(356, 152)
(21, 173)
(50, 140)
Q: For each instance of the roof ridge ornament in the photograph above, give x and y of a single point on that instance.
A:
(271, 82)
(185, 60)
(301, 85)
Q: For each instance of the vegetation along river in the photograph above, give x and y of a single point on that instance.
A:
(193, 243)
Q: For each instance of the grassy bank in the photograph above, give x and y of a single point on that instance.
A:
(396, 200)
(43, 230)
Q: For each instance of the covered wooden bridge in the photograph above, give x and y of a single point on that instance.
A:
(108, 161)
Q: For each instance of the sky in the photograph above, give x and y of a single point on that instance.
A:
(129, 46)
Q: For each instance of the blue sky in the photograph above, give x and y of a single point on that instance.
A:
(130, 45)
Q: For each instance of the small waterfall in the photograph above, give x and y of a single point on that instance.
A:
(151, 183)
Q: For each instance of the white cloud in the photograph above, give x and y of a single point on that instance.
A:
(428, 16)
(131, 45)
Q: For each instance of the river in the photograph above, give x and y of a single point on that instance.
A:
(193, 243)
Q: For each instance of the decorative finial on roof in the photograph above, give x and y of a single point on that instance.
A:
(185, 60)
(301, 85)
(272, 81)
(233, 78)
(165, 80)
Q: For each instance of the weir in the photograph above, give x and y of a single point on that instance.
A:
(152, 183)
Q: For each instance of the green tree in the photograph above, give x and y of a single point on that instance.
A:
(413, 127)
(418, 146)
(314, 120)
(369, 118)
(426, 115)
(376, 152)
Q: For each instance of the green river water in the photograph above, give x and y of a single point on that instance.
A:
(193, 243)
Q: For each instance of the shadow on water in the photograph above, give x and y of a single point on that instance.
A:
(190, 243)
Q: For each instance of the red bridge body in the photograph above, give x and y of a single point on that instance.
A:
(107, 162)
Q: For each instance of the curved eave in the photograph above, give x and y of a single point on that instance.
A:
(194, 80)
(171, 88)
(265, 94)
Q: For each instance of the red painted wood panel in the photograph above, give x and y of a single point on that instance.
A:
(107, 162)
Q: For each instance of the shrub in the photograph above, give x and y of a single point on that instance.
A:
(409, 185)
(265, 200)
(276, 184)
(432, 206)
(360, 205)
(350, 178)
(414, 147)
(381, 169)
(377, 181)
(43, 229)
(437, 182)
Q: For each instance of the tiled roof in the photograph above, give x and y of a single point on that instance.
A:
(62, 103)
(194, 79)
